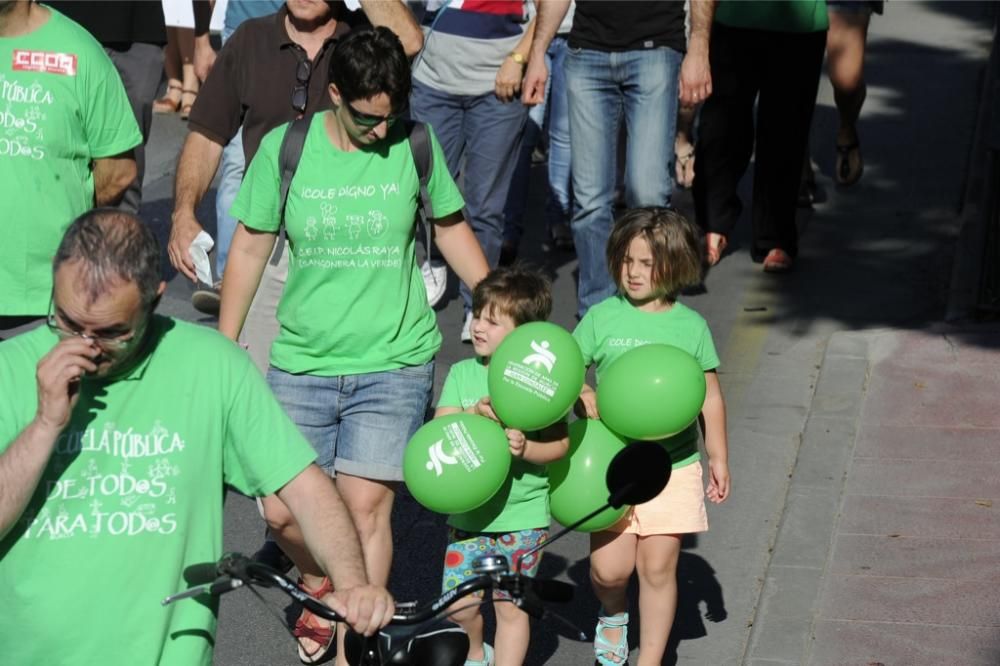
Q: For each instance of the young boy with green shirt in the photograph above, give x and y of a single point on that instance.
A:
(517, 517)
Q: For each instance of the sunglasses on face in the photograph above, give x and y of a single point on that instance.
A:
(370, 121)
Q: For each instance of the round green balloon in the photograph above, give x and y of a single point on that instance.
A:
(577, 482)
(456, 463)
(651, 392)
(535, 376)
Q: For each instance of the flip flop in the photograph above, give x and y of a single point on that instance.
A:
(778, 261)
(850, 166)
(684, 167)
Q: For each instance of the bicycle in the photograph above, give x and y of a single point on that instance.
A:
(636, 474)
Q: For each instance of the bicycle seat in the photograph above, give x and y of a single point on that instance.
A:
(447, 646)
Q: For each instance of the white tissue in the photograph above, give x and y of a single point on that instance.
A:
(200, 247)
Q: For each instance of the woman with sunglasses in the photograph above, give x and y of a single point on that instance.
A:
(353, 361)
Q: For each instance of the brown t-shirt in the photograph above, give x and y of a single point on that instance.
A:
(252, 81)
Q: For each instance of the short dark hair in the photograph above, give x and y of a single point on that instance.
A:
(673, 242)
(369, 62)
(521, 293)
(113, 245)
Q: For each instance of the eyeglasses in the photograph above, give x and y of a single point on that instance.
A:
(369, 121)
(300, 93)
(109, 343)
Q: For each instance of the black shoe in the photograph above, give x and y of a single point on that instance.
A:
(271, 555)
(207, 300)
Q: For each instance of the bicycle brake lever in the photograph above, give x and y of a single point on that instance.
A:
(216, 588)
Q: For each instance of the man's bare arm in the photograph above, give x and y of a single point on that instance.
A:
(550, 15)
(397, 17)
(196, 168)
(21, 467)
(696, 75)
(112, 176)
(333, 541)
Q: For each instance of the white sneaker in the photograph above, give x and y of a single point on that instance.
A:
(435, 275)
(467, 328)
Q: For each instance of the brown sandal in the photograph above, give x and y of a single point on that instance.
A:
(313, 628)
(166, 104)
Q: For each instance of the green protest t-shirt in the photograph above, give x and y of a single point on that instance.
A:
(62, 105)
(523, 501)
(614, 326)
(778, 15)
(132, 495)
(354, 301)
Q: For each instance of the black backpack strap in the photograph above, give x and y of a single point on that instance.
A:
(288, 161)
(423, 159)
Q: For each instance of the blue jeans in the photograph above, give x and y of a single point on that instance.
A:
(640, 86)
(358, 424)
(551, 114)
(233, 166)
(480, 137)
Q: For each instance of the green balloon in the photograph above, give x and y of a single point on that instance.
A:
(456, 463)
(577, 482)
(535, 376)
(651, 392)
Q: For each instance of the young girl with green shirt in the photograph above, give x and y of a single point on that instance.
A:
(517, 517)
(652, 254)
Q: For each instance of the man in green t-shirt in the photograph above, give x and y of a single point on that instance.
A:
(118, 431)
(66, 139)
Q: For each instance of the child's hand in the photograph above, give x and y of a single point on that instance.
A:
(517, 442)
(718, 481)
(484, 408)
(586, 405)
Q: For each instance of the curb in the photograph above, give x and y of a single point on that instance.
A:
(783, 630)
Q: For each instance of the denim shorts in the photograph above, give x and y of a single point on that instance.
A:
(358, 424)
(465, 547)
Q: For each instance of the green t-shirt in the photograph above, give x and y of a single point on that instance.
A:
(354, 301)
(131, 496)
(523, 501)
(62, 105)
(779, 15)
(614, 326)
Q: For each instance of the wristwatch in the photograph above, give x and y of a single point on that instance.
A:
(519, 58)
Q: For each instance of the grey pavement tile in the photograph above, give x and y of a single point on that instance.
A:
(827, 444)
(849, 345)
(920, 517)
(790, 591)
(807, 528)
(840, 389)
(924, 478)
(781, 639)
(928, 443)
(840, 643)
(868, 555)
(967, 603)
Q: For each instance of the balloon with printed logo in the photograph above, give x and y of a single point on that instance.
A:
(651, 392)
(577, 482)
(535, 376)
(455, 463)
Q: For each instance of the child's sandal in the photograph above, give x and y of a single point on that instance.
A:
(606, 652)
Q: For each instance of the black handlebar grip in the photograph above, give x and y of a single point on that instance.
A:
(200, 574)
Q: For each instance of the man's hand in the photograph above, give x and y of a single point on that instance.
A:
(184, 228)
(58, 377)
(204, 57)
(533, 84)
(508, 83)
(366, 608)
(696, 76)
